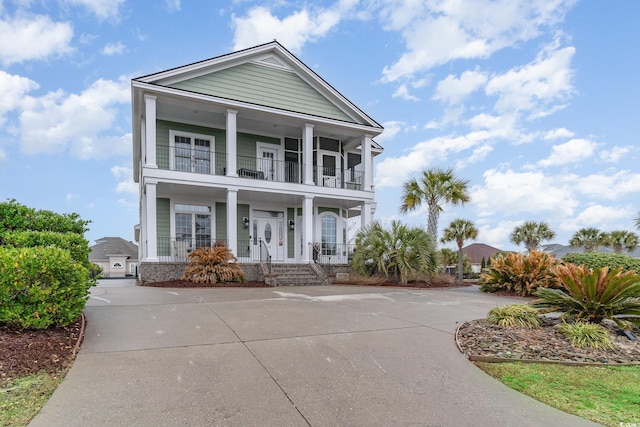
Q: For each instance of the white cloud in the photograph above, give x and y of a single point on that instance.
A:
(536, 86)
(103, 9)
(111, 49)
(83, 123)
(572, 151)
(293, 31)
(124, 175)
(391, 129)
(37, 37)
(70, 197)
(13, 89)
(453, 90)
(403, 93)
(522, 193)
(439, 32)
(615, 154)
(602, 217)
(608, 185)
(173, 5)
(477, 155)
(558, 134)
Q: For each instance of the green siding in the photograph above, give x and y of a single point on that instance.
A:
(291, 234)
(162, 141)
(243, 233)
(221, 221)
(163, 226)
(264, 86)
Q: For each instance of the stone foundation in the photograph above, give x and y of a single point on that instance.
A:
(165, 271)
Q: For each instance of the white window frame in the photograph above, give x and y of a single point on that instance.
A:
(193, 136)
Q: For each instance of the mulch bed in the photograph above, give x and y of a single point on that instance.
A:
(25, 351)
(480, 340)
(189, 284)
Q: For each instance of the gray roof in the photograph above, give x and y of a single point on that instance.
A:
(108, 246)
(561, 250)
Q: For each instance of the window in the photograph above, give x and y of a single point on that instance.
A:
(292, 156)
(193, 226)
(191, 152)
(329, 234)
(117, 265)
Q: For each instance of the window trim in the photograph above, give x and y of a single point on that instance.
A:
(192, 136)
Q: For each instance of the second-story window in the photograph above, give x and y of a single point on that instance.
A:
(191, 152)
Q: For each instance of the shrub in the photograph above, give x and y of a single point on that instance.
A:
(603, 259)
(518, 273)
(442, 279)
(16, 217)
(41, 287)
(75, 243)
(516, 315)
(213, 265)
(583, 334)
(593, 295)
(399, 252)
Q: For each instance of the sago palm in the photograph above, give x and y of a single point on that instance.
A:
(397, 252)
(621, 239)
(593, 295)
(591, 238)
(460, 230)
(531, 233)
(435, 188)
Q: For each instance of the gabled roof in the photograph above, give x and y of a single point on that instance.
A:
(477, 251)
(113, 246)
(266, 75)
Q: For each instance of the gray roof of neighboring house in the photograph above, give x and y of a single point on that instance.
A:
(477, 251)
(561, 250)
(113, 246)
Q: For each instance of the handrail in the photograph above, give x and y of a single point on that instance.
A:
(264, 255)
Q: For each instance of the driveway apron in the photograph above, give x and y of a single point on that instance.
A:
(289, 356)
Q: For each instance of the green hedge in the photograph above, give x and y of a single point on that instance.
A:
(76, 244)
(15, 216)
(604, 259)
(41, 287)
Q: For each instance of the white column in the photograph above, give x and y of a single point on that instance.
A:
(307, 230)
(232, 143)
(367, 160)
(150, 131)
(365, 214)
(232, 221)
(151, 224)
(307, 149)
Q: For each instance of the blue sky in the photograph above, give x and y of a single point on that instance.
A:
(535, 102)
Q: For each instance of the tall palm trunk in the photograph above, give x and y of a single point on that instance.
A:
(460, 263)
(432, 222)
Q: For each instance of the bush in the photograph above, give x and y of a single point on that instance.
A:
(593, 295)
(213, 265)
(603, 259)
(76, 244)
(41, 287)
(518, 273)
(17, 217)
(582, 334)
(516, 315)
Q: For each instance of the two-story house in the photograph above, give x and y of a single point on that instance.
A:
(253, 150)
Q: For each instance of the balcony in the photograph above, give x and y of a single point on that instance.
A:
(203, 161)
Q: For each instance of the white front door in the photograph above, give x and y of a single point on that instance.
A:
(271, 232)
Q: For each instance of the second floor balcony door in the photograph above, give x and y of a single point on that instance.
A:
(267, 163)
(330, 170)
(192, 154)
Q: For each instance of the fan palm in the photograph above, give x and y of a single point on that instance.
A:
(435, 188)
(460, 230)
(636, 221)
(531, 233)
(622, 239)
(591, 238)
(397, 252)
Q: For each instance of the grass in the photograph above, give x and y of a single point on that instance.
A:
(606, 395)
(22, 398)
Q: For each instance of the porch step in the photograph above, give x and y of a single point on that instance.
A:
(295, 275)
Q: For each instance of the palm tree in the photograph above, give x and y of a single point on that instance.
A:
(636, 221)
(591, 238)
(460, 230)
(397, 252)
(447, 257)
(620, 239)
(531, 233)
(435, 188)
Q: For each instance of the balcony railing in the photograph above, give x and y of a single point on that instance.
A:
(332, 253)
(172, 249)
(203, 161)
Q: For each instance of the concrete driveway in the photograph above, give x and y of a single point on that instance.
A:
(290, 356)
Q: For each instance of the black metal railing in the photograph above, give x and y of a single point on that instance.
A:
(195, 160)
(332, 253)
(177, 249)
(265, 256)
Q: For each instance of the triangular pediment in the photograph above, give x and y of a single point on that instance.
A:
(266, 75)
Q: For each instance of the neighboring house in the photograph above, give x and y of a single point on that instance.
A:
(561, 250)
(252, 150)
(476, 252)
(116, 256)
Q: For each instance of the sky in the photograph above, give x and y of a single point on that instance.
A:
(534, 102)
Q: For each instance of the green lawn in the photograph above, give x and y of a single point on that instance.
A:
(22, 398)
(606, 395)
